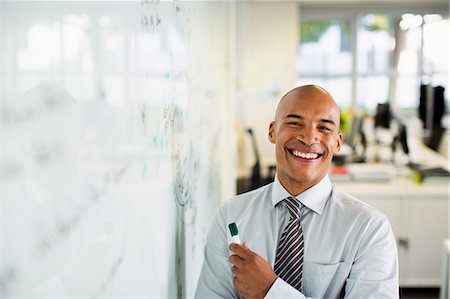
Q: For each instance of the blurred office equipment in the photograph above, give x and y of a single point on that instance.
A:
(403, 138)
(383, 115)
(391, 132)
(421, 172)
(383, 131)
(357, 140)
(425, 173)
(255, 179)
(258, 176)
(400, 138)
(431, 110)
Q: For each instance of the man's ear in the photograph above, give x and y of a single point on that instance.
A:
(339, 141)
(271, 134)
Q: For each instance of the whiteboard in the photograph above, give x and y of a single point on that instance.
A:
(116, 146)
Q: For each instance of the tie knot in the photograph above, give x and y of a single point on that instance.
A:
(293, 206)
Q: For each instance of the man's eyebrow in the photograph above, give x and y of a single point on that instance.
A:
(324, 120)
(330, 121)
(294, 116)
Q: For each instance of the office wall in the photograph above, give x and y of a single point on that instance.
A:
(266, 44)
(115, 145)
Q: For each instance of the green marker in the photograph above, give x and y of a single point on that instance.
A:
(234, 233)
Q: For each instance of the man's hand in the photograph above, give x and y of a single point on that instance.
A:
(253, 275)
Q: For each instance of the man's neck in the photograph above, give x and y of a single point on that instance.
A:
(296, 187)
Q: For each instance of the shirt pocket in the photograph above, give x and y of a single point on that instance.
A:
(324, 280)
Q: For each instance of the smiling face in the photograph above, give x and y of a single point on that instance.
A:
(306, 135)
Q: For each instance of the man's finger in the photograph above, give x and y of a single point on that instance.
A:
(235, 271)
(236, 283)
(240, 250)
(236, 260)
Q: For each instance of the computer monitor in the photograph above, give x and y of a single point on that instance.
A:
(356, 139)
(383, 116)
(431, 106)
(431, 111)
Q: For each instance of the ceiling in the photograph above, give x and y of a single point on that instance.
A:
(425, 6)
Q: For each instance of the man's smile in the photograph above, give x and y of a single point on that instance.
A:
(304, 154)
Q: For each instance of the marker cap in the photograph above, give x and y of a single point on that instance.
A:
(233, 229)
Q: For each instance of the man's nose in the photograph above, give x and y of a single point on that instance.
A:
(309, 136)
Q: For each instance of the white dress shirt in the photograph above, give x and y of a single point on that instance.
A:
(350, 250)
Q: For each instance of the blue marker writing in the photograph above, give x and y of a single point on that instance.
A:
(234, 233)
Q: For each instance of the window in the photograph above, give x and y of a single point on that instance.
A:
(364, 59)
(325, 56)
(423, 56)
(375, 45)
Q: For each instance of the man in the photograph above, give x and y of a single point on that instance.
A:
(303, 237)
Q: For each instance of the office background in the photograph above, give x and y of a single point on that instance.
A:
(125, 125)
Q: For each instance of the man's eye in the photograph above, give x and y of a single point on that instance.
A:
(325, 128)
(294, 123)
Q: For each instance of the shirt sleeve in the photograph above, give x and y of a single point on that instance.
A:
(216, 279)
(281, 289)
(374, 273)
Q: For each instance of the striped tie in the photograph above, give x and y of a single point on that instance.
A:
(289, 257)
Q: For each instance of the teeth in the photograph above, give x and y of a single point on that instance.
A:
(305, 155)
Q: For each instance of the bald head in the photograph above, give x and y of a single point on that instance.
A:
(307, 88)
(312, 95)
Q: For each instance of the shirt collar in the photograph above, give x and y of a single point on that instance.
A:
(314, 198)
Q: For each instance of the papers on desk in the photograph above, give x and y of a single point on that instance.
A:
(374, 172)
(428, 168)
(379, 172)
